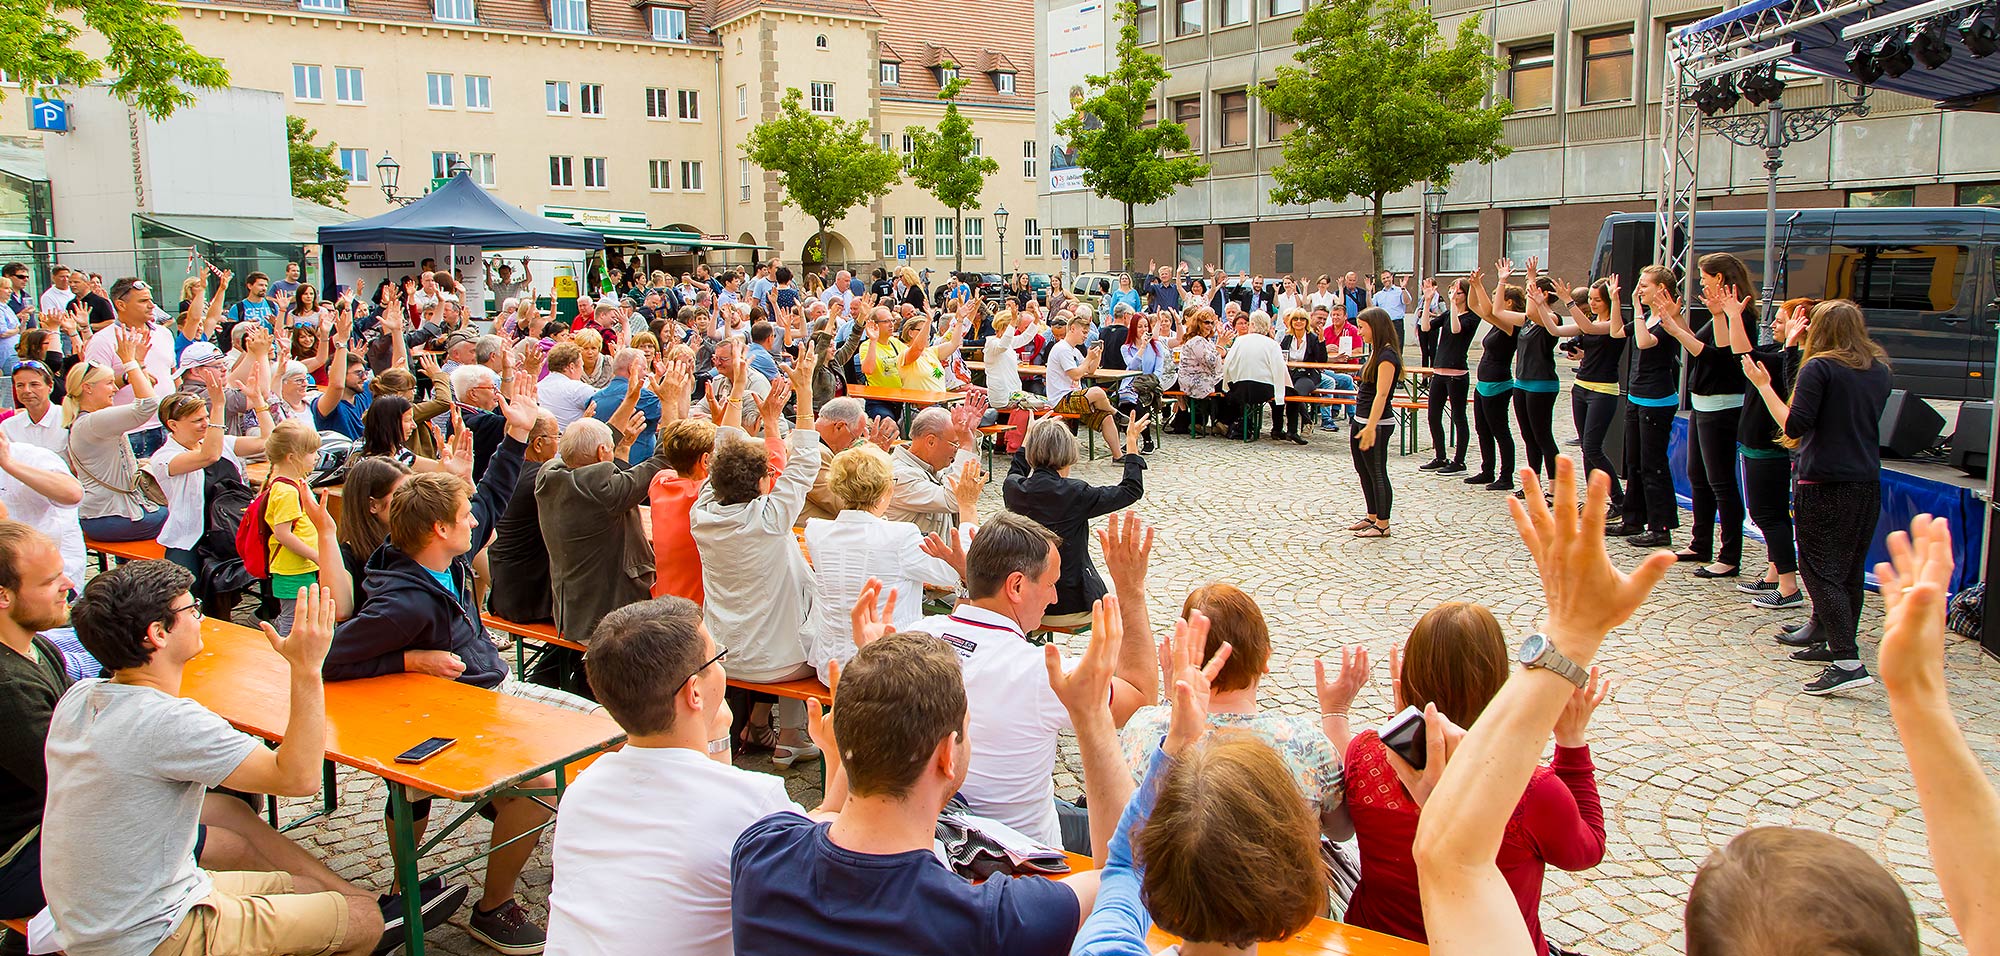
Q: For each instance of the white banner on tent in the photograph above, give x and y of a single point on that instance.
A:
(364, 268)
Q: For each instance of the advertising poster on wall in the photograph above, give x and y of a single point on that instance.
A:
(1076, 50)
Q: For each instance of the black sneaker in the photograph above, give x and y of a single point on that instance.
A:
(1836, 677)
(507, 929)
(1816, 654)
(1433, 465)
(1651, 539)
(1758, 586)
(1803, 637)
(1500, 484)
(1623, 530)
(441, 903)
(1455, 468)
(1483, 478)
(1773, 601)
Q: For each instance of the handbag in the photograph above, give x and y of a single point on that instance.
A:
(1966, 612)
(145, 487)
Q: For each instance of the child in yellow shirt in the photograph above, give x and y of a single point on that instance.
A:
(293, 450)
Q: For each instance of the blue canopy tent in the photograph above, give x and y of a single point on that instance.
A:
(1965, 82)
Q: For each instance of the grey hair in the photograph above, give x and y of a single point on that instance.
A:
(1121, 310)
(625, 360)
(487, 347)
(1260, 322)
(582, 440)
(845, 410)
(465, 378)
(1049, 444)
(1084, 311)
(935, 420)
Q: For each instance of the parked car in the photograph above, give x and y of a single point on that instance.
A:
(1092, 287)
(1039, 282)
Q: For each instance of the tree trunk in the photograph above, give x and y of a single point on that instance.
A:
(1127, 239)
(1375, 237)
(958, 212)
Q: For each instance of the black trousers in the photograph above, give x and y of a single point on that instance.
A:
(1593, 412)
(1712, 479)
(1836, 523)
(1767, 491)
(1649, 484)
(1372, 465)
(1240, 396)
(1448, 395)
(1199, 411)
(1489, 418)
(1536, 412)
(1296, 413)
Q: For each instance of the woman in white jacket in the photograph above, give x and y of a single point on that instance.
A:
(1254, 373)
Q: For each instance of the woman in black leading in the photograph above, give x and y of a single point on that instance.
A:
(1491, 390)
(1651, 398)
(1451, 380)
(1373, 422)
(1767, 465)
(1039, 487)
(1715, 389)
(1833, 420)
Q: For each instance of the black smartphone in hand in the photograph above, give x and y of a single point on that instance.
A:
(1406, 736)
(436, 745)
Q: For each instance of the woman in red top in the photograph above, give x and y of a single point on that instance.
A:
(1457, 659)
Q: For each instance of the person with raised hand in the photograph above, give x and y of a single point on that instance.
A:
(1468, 904)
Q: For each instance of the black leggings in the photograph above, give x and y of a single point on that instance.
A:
(1836, 524)
(1649, 484)
(1298, 413)
(1594, 412)
(1711, 467)
(1536, 411)
(1767, 490)
(1449, 390)
(1489, 417)
(1372, 465)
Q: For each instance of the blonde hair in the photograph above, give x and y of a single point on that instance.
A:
(860, 477)
(83, 374)
(291, 440)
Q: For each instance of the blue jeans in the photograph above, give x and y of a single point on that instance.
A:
(115, 528)
(145, 443)
(1330, 414)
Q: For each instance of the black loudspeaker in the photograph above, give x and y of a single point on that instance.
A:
(1972, 440)
(1910, 426)
(1632, 249)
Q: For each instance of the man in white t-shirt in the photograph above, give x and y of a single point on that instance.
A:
(563, 391)
(1068, 368)
(38, 490)
(57, 296)
(629, 877)
(1010, 574)
(39, 421)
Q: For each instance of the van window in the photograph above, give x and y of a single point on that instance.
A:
(1916, 278)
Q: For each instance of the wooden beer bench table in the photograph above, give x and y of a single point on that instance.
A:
(908, 398)
(148, 550)
(503, 742)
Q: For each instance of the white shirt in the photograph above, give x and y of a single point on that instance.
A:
(1255, 357)
(1327, 298)
(1014, 719)
(186, 518)
(159, 364)
(565, 397)
(56, 300)
(642, 849)
(847, 551)
(1062, 357)
(49, 433)
(28, 506)
(1003, 364)
(758, 587)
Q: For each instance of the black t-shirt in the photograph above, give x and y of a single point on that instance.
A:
(1656, 371)
(1756, 429)
(1836, 414)
(29, 690)
(1453, 346)
(101, 313)
(1365, 389)
(1496, 356)
(1601, 354)
(1534, 354)
(1717, 370)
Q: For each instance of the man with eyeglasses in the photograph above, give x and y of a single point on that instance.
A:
(133, 302)
(661, 676)
(938, 462)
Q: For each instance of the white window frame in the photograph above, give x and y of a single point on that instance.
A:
(354, 162)
(657, 103)
(888, 235)
(438, 90)
(454, 11)
(691, 176)
(669, 24)
(947, 237)
(569, 16)
(566, 166)
(349, 87)
(306, 86)
(660, 175)
(323, 6)
(743, 174)
(909, 152)
(820, 99)
(687, 105)
(913, 233)
(485, 169)
(600, 174)
(947, 74)
(889, 73)
(975, 237)
(1030, 158)
(1031, 238)
(555, 98)
(483, 101)
(587, 96)
(1003, 82)
(742, 101)
(441, 162)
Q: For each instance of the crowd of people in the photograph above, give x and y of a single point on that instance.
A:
(674, 480)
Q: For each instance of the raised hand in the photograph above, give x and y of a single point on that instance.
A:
(1755, 371)
(1127, 543)
(1181, 659)
(1085, 691)
(1586, 596)
(949, 548)
(869, 622)
(1441, 739)
(1337, 695)
(1914, 582)
(312, 631)
(1575, 717)
(884, 434)
(457, 451)
(132, 343)
(819, 717)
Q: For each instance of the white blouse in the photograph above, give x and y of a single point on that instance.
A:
(1254, 357)
(846, 552)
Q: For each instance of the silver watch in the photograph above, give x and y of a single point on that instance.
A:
(1539, 651)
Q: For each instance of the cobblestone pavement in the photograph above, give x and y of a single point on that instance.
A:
(1706, 734)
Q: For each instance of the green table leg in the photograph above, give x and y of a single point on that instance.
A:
(329, 793)
(403, 847)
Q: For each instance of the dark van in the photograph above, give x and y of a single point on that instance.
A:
(1924, 276)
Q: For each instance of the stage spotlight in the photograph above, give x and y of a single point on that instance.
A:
(1762, 86)
(1928, 43)
(1716, 96)
(1861, 63)
(1891, 54)
(1979, 29)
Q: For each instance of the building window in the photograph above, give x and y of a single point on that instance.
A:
(1527, 234)
(354, 162)
(1233, 126)
(1881, 198)
(1979, 194)
(978, 146)
(822, 97)
(947, 74)
(437, 87)
(820, 41)
(347, 85)
(657, 106)
(1028, 163)
(1458, 243)
(555, 95)
(743, 179)
(913, 233)
(1276, 128)
(1151, 117)
(1187, 112)
(1399, 243)
(1281, 8)
(593, 173)
(590, 99)
(1236, 247)
(569, 16)
(479, 93)
(324, 6)
(909, 152)
(484, 169)
(890, 74)
(670, 24)
(688, 104)
(660, 175)
(559, 172)
(975, 237)
(1187, 17)
(947, 235)
(888, 237)
(690, 176)
(441, 163)
(1031, 238)
(1232, 12)
(453, 11)
(1187, 247)
(305, 83)
(1003, 82)
(1607, 68)
(742, 101)
(1531, 73)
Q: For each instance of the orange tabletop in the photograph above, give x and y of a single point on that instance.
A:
(907, 396)
(1023, 369)
(1356, 367)
(1323, 937)
(502, 740)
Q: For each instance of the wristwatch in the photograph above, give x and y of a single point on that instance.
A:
(718, 745)
(1539, 651)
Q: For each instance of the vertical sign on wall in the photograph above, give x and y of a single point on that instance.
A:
(1076, 50)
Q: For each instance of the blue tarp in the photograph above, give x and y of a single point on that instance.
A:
(461, 213)
(1963, 81)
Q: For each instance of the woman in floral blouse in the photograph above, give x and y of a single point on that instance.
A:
(1201, 369)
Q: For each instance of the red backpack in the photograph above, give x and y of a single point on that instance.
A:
(253, 535)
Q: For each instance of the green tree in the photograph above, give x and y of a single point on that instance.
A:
(825, 165)
(1122, 159)
(943, 164)
(1381, 101)
(152, 66)
(315, 175)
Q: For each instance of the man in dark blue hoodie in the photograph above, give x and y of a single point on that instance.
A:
(419, 616)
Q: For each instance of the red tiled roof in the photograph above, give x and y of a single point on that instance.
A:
(609, 19)
(888, 54)
(1001, 37)
(723, 11)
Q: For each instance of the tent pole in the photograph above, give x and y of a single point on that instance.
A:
(1773, 158)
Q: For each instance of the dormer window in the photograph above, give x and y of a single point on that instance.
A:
(1003, 82)
(670, 24)
(947, 74)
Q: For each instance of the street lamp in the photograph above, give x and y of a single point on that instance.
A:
(1433, 224)
(1000, 227)
(456, 169)
(387, 172)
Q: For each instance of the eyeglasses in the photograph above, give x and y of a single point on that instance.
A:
(721, 654)
(193, 606)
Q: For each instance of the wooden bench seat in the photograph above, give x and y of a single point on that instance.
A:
(805, 688)
(124, 551)
(543, 632)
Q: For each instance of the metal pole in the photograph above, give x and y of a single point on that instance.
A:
(1774, 149)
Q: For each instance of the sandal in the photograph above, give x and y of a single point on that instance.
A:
(759, 738)
(1373, 531)
(1362, 524)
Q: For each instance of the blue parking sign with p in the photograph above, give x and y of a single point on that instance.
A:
(902, 251)
(50, 116)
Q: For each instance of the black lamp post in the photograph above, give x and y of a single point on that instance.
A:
(388, 172)
(1000, 227)
(1433, 224)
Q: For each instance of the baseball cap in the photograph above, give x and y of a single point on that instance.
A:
(460, 337)
(196, 356)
